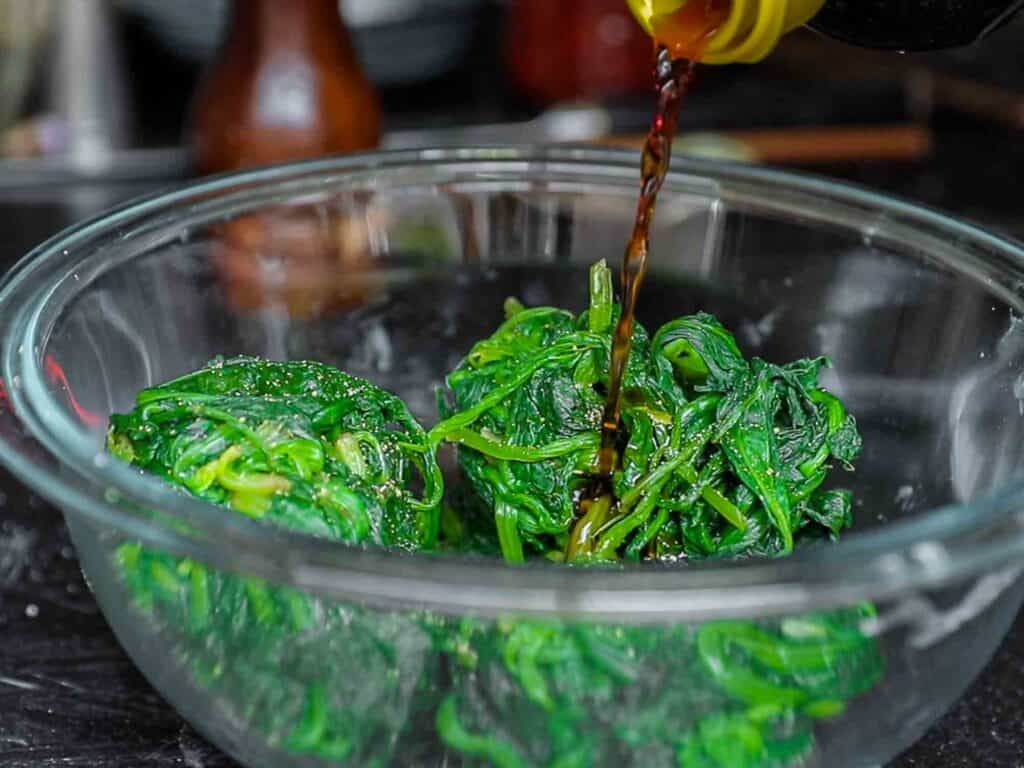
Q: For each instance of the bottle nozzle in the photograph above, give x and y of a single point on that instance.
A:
(722, 31)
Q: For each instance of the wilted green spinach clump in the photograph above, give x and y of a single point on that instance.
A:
(720, 455)
(300, 444)
(719, 695)
(311, 677)
(315, 450)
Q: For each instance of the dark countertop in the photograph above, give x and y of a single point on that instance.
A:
(69, 695)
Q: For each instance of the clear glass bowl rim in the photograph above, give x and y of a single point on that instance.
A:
(934, 548)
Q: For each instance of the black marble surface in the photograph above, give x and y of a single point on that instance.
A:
(69, 696)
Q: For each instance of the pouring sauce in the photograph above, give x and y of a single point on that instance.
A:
(686, 33)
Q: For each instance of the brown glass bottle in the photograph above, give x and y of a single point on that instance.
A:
(285, 85)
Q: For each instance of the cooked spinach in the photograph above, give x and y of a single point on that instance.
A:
(308, 447)
(300, 444)
(313, 677)
(720, 695)
(720, 456)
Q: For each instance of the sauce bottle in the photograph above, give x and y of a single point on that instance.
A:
(748, 30)
(285, 85)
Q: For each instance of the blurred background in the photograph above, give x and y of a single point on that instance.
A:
(132, 91)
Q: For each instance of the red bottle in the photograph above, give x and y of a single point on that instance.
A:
(576, 49)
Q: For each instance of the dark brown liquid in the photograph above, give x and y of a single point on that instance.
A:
(682, 39)
(673, 79)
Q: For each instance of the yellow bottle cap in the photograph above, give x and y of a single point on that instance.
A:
(750, 32)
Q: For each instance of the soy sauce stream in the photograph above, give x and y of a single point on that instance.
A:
(673, 78)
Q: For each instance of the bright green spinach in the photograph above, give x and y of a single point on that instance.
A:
(720, 456)
(720, 695)
(300, 444)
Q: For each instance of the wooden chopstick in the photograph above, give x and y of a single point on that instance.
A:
(803, 146)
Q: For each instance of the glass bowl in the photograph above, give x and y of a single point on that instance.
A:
(288, 650)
